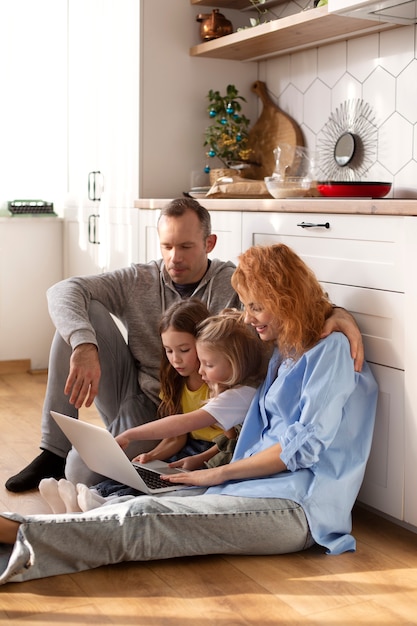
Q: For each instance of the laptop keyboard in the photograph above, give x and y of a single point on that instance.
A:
(152, 479)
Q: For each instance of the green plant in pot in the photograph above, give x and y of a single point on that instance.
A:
(227, 136)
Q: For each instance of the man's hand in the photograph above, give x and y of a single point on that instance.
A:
(344, 322)
(84, 375)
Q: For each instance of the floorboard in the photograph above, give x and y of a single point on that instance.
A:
(377, 585)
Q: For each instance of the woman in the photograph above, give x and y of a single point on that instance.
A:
(297, 467)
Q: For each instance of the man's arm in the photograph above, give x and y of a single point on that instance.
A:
(344, 322)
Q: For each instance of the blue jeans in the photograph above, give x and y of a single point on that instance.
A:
(189, 523)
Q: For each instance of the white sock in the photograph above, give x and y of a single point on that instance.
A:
(48, 488)
(88, 498)
(68, 494)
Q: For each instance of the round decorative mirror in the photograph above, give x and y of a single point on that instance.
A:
(344, 149)
(346, 145)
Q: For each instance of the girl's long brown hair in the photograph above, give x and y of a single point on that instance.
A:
(278, 280)
(184, 317)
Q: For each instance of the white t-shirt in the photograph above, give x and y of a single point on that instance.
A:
(230, 407)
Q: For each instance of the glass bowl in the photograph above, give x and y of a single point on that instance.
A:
(288, 187)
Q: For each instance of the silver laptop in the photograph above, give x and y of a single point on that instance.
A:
(102, 454)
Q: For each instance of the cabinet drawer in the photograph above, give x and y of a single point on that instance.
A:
(361, 250)
(380, 316)
(227, 225)
(383, 485)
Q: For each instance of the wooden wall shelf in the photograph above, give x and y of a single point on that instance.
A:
(240, 5)
(307, 29)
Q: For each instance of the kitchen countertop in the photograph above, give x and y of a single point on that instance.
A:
(7, 218)
(365, 206)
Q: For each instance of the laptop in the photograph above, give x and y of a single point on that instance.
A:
(101, 453)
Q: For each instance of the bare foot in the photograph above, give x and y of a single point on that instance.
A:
(8, 530)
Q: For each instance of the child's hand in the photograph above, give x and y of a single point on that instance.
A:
(199, 478)
(145, 457)
(122, 440)
(188, 463)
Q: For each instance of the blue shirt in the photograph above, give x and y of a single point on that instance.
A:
(322, 413)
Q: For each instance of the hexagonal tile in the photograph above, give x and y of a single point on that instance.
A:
(309, 137)
(407, 92)
(404, 182)
(347, 88)
(331, 63)
(362, 56)
(396, 49)
(292, 102)
(276, 74)
(379, 91)
(303, 68)
(316, 105)
(395, 143)
(378, 173)
(415, 142)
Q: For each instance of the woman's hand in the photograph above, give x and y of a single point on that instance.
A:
(199, 478)
(344, 322)
(261, 464)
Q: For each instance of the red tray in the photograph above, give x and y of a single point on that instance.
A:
(351, 189)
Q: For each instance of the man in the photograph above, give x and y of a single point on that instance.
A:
(91, 362)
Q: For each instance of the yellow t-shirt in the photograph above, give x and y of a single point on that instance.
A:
(193, 400)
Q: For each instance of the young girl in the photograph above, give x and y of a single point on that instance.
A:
(226, 374)
(182, 387)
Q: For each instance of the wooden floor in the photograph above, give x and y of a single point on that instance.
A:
(377, 585)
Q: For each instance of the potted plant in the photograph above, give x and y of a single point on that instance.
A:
(227, 136)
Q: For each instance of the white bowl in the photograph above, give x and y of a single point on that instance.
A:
(287, 187)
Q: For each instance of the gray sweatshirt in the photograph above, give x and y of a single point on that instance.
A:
(137, 295)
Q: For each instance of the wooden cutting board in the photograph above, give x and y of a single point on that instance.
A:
(272, 128)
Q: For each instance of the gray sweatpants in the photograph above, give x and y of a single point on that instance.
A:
(120, 401)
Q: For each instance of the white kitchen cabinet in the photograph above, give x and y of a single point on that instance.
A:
(30, 262)
(97, 243)
(361, 262)
(103, 103)
(227, 225)
(103, 135)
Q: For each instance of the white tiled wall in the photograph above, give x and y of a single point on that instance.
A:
(381, 70)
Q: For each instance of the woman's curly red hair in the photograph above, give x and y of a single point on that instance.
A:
(278, 280)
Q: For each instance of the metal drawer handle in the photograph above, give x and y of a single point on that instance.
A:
(310, 225)
(92, 228)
